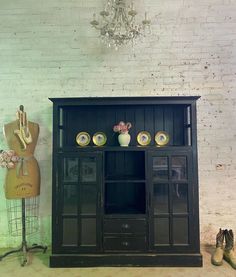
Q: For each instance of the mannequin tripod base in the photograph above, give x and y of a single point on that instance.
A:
(25, 250)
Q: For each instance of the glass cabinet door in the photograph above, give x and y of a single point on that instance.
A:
(79, 204)
(170, 195)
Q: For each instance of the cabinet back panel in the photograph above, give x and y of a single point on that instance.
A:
(122, 165)
(125, 198)
(152, 118)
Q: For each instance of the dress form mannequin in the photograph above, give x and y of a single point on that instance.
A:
(23, 181)
(21, 135)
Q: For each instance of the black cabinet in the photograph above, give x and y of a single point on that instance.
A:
(117, 206)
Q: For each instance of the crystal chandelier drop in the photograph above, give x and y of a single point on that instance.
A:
(118, 26)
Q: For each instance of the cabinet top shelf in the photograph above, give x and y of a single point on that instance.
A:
(119, 148)
(147, 100)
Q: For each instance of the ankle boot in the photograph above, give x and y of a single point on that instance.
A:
(229, 254)
(217, 256)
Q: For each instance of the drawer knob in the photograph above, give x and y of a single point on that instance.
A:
(125, 226)
(125, 243)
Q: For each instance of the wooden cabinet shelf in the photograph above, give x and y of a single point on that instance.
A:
(122, 206)
(120, 149)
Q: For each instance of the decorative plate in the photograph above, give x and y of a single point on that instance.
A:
(99, 139)
(162, 138)
(83, 138)
(144, 138)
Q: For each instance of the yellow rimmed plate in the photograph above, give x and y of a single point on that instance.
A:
(99, 139)
(144, 138)
(162, 138)
(83, 138)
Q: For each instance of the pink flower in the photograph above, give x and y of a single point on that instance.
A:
(11, 153)
(121, 123)
(116, 128)
(10, 165)
(4, 155)
(122, 127)
(3, 164)
(14, 159)
(8, 159)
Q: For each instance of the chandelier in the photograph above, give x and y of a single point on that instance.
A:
(118, 26)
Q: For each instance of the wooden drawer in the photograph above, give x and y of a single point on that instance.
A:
(125, 226)
(124, 243)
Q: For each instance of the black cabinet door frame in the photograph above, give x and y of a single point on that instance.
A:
(60, 215)
(171, 247)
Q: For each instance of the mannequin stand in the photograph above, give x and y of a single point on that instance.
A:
(24, 248)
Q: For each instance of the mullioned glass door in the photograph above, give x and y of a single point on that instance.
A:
(79, 205)
(170, 180)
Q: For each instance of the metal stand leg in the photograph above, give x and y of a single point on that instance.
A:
(10, 252)
(24, 248)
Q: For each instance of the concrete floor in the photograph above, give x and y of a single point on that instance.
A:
(38, 266)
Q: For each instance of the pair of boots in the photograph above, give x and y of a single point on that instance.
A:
(227, 252)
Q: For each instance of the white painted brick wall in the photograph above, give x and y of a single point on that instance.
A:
(48, 49)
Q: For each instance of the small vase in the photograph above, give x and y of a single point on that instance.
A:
(124, 139)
